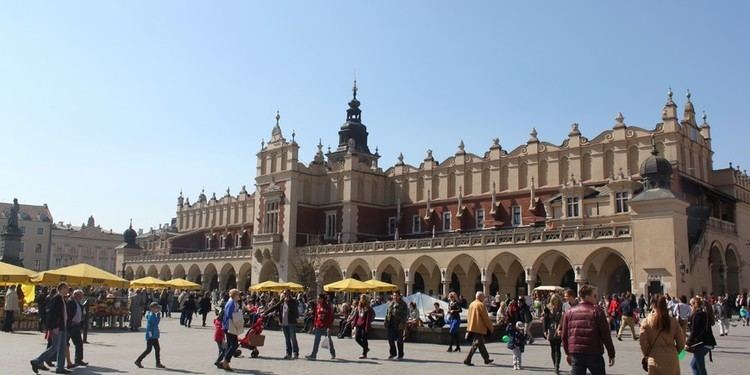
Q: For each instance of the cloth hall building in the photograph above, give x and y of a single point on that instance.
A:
(640, 209)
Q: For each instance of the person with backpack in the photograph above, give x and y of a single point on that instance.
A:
(627, 317)
(362, 322)
(552, 318)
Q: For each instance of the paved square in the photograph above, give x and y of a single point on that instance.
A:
(192, 351)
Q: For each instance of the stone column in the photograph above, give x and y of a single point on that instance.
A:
(485, 282)
(445, 282)
(530, 280)
(407, 280)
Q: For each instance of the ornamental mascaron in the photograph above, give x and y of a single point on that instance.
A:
(639, 209)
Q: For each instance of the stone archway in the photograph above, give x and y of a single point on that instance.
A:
(359, 269)
(179, 272)
(504, 272)
(465, 276)
(733, 271)
(129, 273)
(426, 275)
(227, 278)
(606, 269)
(243, 275)
(140, 272)
(210, 278)
(194, 274)
(165, 273)
(268, 272)
(152, 271)
(330, 272)
(553, 268)
(391, 271)
(718, 270)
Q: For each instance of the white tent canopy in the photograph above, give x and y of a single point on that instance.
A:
(424, 305)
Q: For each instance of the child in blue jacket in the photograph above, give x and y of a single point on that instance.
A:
(152, 335)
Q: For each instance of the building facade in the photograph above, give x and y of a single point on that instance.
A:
(36, 225)
(604, 210)
(85, 244)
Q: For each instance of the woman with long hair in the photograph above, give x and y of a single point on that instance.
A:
(701, 339)
(661, 340)
(552, 320)
(362, 320)
(454, 321)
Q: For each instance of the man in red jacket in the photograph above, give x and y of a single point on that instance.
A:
(585, 333)
(322, 325)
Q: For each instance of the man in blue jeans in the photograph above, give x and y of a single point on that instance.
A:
(287, 312)
(585, 334)
(57, 318)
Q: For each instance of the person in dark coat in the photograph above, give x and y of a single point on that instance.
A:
(204, 307)
(701, 339)
(41, 303)
(57, 332)
(585, 334)
(189, 308)
(288, 311)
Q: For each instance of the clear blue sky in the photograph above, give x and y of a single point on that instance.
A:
(110, 108)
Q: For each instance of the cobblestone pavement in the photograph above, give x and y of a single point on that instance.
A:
(192, 351)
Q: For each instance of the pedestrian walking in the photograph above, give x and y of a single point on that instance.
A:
(454, 322)
(10, 308)
(164, 302)
(722, 313)
(153, 317)
(661, 339)
(395, 324)
(219, 334)
(479, 325)
(41, 303)
(287, 311)
(188, 308)
(57, 318)
(682, 312)
(517, 343)
(76, 316)
(204, 307)
(322, 321)
(137, 302)
(627, 316)
(585, 334)
(701, 339)
(180, 302)
(552, 320)
(233, 325)
(362, 322)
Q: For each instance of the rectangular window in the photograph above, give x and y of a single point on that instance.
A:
(37, 265)
(516, 218)
(38, 248)
(272, 217)
(480, 218)
(447, 221)
(621, 201)
(572, 206)
(391, 225)
(331, 225)
(40, 231)
(416, 224)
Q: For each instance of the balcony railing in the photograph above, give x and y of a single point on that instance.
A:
(192, 256)
(518, 236)
(721, 225)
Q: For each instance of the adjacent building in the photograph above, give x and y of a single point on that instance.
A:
(632, 208)
(88, 243)
(36, 225)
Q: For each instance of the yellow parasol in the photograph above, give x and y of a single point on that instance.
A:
(380, 286)
(183, 284)
(10, 274)
(80, 274)
(149, 282)
(347, 285)
(267, 286)
(294, 287)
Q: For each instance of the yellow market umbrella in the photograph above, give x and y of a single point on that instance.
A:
(267, 286)
(80, 274)
(10, 274)
(347, 285)
(183, 284)
(149, 282)
(294, 287)
(381, 286)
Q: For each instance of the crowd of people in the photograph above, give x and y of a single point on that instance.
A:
(580, 325)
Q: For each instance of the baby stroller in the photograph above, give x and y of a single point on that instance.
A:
(253, 338)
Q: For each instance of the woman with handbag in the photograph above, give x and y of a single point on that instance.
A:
(701, 339)
(661, 339)
(362, 321)
(454, 321)
(552, 323)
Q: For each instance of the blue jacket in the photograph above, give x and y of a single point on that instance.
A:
(229, 308)
(152, 325)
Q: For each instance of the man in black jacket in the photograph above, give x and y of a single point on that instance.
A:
(75, 321)
(287, 312)
(57, 318)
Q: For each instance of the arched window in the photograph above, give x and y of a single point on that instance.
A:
(523, 174)
(609, 164)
